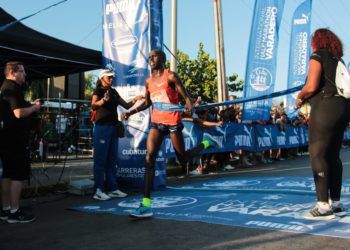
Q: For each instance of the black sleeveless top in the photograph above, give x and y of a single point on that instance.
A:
(327, 81)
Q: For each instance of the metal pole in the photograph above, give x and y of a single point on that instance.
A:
(220, 55)
(173, 34)
(48, 92)
(59, 125)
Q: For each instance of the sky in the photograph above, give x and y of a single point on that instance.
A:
(80, 22)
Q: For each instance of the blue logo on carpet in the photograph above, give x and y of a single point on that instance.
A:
(266, 203)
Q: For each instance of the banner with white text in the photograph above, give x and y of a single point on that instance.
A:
(262, 53)
(299, 52)
(127, 39)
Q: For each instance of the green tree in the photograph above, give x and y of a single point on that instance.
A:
(37, 89)
(234, 85)
(200, 75)
(90, 80)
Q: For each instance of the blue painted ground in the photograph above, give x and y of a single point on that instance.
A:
(265, 203)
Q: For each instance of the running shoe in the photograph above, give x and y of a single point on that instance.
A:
(141, 212)
(99, 195)
(212, 142)
(318, 213)
(339, 209)
(229, 167)
(20, 217)
(4, 214)
(247, 163)
(195, 172)
(117, 194)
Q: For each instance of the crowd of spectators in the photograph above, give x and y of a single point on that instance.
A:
(207, 163)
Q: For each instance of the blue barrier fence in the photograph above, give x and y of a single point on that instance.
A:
(234, 136)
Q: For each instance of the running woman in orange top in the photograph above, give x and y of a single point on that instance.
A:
(162, 86)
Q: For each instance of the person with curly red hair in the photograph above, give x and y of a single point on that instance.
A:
(330, 114)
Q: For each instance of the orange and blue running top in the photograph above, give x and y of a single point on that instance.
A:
(161, 91)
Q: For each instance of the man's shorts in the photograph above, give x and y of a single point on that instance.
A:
(16, 165)
(166, 129)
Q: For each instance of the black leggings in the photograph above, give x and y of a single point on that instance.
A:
(328, 120)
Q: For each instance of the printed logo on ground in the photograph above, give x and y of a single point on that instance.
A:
(243, 202)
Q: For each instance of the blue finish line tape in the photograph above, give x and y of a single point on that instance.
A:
(169, 107)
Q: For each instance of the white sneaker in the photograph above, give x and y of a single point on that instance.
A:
(229, 167)
(247, 163)
(99, 195)
(317, 213)
(195, 172)
(117, 194)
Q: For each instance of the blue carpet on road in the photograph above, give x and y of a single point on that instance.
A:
(265, 203)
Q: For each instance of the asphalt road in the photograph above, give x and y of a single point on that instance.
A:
(57, 227)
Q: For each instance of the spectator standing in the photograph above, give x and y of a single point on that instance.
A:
(16, 165)
(105, 100)
(328, 120)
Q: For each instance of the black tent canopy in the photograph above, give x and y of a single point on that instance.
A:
(43, 55)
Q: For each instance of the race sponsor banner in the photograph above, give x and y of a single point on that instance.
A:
(233, 136)
(126, 43)
(156, 24)
(293, 136)
(264, 136)
(192, 133)
(299, 52)
(262, 53)
(304, 135)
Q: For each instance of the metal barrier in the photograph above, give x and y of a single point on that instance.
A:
(62, 130)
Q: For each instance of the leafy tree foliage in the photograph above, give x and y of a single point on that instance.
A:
(90, 80)
(37, 89)
(200, 75)
(235, 86)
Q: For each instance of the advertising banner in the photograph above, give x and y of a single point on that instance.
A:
(234, 136)
(262, 53)
(127, 40)
(299, 52)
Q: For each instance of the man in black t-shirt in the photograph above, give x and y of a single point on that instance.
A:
(16, 112)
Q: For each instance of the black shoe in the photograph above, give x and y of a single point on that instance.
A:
(339, 210)
(20, 217)
(4, 214)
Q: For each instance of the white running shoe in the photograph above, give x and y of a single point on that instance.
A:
(229, 167)
(195, 172)
(117, 194)
(99, 195)
(318, 213)
(247, 163)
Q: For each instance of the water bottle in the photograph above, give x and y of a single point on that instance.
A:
(41, 149)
